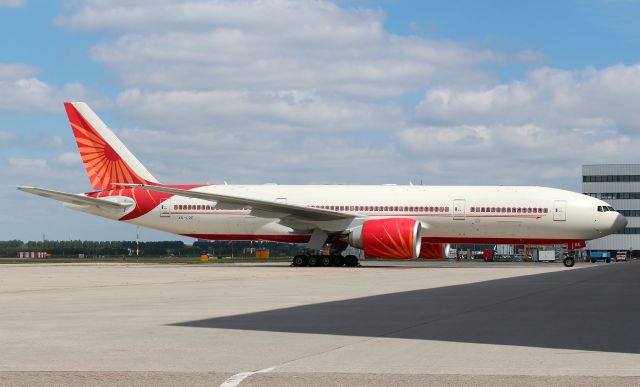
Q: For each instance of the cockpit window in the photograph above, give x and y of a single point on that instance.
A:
(611, 209)
(600, 209)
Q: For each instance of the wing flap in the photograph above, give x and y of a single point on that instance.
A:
(75, 199)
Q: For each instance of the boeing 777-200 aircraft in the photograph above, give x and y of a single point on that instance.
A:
(388, 221)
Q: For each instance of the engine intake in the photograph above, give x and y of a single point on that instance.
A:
(430, 250)
(395, 238)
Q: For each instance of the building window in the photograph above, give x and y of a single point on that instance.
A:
(610, 178)
(615, 195)
(629, 230)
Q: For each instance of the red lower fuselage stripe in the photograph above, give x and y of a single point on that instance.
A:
(251, 237)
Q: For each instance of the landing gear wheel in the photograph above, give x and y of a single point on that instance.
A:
(351, 261)
(326, 260)
(569, 261)
(313, 260)
(339, 260)
(300, 260)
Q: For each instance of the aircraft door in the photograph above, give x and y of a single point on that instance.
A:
(560, 210)
(165, 208)
(459, 209)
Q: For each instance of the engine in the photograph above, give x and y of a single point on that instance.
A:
(395, 238)
(434, 250)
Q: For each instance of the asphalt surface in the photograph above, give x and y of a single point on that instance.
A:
(588, 310)
(411, 324)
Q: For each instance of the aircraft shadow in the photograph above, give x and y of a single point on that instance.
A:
(593, 309)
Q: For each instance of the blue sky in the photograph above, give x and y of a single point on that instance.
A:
(447, 92)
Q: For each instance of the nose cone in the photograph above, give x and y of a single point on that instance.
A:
(619, 223)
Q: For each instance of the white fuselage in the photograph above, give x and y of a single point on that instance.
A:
(449, 214)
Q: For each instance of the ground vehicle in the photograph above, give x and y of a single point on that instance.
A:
(622, 256)
(600, 256)
(546, 256)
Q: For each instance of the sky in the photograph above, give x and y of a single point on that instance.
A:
(296, 92)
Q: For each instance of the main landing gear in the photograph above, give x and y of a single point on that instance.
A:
(325, 260)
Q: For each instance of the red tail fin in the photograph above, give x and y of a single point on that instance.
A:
(105, 157)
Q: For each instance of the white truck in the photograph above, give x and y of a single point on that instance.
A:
(546, 255)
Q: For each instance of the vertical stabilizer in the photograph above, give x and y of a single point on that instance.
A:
(105, 157)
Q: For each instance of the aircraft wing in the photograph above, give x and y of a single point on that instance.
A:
(78, 200)
(258, 206)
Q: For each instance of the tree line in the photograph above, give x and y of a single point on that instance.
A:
(73, 248)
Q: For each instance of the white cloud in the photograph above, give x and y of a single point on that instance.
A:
(590, 98)
(12, 3)
(10, 71)
(269, 45)
(21, 91)
(68, 159)
(547, 124)
(5, 136)
(28, 163)
(235, 111)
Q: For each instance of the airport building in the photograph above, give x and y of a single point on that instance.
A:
(618, 185)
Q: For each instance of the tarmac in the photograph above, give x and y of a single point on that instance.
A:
(413, 323)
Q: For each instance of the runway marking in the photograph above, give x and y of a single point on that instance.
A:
(238, 378)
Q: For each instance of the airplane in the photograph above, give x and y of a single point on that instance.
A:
(385, 221)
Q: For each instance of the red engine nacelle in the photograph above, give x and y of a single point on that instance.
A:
(434, 250)
(394, 238)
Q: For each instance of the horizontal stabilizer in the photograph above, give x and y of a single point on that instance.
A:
(75, 199)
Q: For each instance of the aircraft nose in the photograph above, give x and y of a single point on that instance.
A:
(620, 223)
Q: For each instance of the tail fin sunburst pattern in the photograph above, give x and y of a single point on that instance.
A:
(105, 157)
